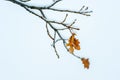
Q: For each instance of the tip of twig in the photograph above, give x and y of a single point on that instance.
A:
(58, 57)
(78, 28)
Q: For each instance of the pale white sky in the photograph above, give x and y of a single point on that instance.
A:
(26, 52)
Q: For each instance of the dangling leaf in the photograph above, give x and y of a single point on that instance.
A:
(73, 43)
(85, 62)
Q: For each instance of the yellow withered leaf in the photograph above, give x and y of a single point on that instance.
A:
(73, 43)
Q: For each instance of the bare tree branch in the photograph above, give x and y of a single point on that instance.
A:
(49, 23)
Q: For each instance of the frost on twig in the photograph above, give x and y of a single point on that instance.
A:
(73, 43)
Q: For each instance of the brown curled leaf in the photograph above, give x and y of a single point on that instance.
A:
(85, 62)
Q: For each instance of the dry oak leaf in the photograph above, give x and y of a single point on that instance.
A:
(85, 62)
(73, 43)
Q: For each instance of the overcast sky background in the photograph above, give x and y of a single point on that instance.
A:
(26, 52)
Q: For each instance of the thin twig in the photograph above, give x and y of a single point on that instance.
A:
(34, 13)
(81, 8)
(42, 13)
(65, 25)
(55, 46)
(70, 11)
(73, 22)
(76, 56)
(64, 19)
(49, 32)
